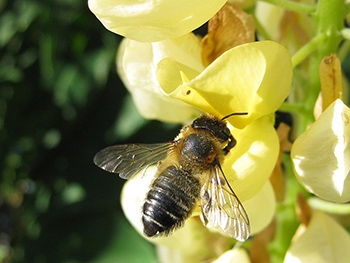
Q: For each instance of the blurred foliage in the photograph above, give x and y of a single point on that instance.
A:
(60, 102)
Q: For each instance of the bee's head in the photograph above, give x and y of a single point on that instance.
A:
(218, 128)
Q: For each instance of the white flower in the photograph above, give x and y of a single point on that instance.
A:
(323, 241)
(321, 155)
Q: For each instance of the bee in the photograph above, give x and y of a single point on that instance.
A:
(188, 171)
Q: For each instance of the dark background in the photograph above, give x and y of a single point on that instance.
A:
(61, 101)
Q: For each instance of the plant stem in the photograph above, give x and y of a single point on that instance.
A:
(292, 6)
(291, 107)
(328, 21)
(330, 207)
(306, 50)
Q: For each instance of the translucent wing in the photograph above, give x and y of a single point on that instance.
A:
(128, 159)
(221, 207)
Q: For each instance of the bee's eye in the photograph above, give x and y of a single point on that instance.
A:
(227, 131)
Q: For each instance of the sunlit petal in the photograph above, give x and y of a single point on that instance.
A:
(133, 196)
(150, 20)
(251, 161)
(321, 155)
(323, 241)
(234, 255)
(141, 64)
(261, 208)
(253, 78)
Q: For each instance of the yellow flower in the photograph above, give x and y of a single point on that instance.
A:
(140, 63)
(321, 155)
(323, 241)
(253, 78)
(150, 20)
(243, 79)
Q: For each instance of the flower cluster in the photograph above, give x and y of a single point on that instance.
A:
(173, 75)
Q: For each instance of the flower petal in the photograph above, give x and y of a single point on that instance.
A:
(234, 255)
(323, 241)
(192, 243)
(253, 78)
(138, 65)
(133, 196)
(250, 163)
(321, 155)
(261, 208)
(150, 20)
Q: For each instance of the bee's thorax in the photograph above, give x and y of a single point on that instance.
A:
(198, 152)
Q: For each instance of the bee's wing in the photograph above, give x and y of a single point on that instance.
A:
(128, 159)
(221, 207)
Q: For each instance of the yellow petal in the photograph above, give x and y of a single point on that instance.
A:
(150, 20)
(138, 65)
(261, 208)
(323, 241)
(170, 73)
(192, 243)
(250, 163)
(253, 78)
(133, 196)
(234, 255)
(321, 155)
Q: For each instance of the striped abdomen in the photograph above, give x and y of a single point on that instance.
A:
(170, 201)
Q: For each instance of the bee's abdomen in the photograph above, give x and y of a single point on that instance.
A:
(170, 201)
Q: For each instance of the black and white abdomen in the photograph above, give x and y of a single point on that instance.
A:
(170, 201)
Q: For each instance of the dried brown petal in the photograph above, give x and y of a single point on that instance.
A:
(277, 177)
(303, 210)
(331, 80)
(230, 27)
(259, 249)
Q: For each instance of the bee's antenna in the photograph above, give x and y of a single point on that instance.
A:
(233, 114)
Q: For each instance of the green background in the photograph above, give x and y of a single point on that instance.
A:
(61, 101)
